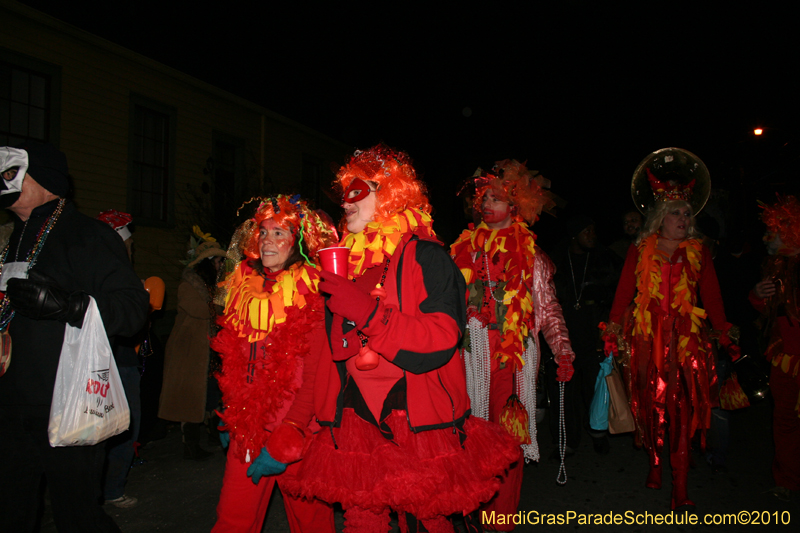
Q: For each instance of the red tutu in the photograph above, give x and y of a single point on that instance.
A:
(427, 474)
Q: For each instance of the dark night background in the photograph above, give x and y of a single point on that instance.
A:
(583, 93)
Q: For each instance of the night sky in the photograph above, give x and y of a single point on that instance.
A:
(582, 93)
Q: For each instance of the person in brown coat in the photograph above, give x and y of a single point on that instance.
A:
(187, 355)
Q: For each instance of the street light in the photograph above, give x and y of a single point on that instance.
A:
(758, 131)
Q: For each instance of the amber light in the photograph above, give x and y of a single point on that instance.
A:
(758, 131)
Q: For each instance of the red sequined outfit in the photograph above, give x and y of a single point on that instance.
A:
(672, 377)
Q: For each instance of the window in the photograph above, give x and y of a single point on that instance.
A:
(311, 179)
(229, 175)
(151, 162)
(28, 99)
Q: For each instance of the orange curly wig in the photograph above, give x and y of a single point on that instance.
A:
(392, 172)
(512, 182)
(293, 213)
(783, 217)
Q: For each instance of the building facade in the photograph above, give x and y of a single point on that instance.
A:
(145, 138)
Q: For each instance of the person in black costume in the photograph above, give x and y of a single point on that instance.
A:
(585, 280)
(70, 257)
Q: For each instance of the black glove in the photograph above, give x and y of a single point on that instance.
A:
(39, 297)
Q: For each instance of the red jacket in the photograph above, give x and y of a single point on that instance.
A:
(417, 327)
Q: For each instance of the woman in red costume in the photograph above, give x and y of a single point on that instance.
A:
(672, 378)
(511, 298)
(777, 298)
(398, 433)
(271, 342)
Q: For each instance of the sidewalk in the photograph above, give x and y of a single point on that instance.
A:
(178, 496)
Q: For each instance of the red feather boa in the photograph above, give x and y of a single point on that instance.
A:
(254, 393)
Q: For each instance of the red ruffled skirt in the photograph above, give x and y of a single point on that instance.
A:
(427, 474)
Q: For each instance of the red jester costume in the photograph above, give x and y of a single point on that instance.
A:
(661, 333)
(398, 433)
(511, 298)
(271, 342)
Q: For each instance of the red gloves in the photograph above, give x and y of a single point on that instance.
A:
(609, 336)
(346, 299)
(565, 368)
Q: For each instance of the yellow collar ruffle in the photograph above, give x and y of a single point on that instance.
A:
(252, 311)
(379, 240)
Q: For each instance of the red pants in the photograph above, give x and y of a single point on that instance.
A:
(506, 501)
(243, 505)
(785, 429)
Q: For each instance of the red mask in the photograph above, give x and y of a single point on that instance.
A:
(359, 189)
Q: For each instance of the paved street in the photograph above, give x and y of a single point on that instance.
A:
(180, 496)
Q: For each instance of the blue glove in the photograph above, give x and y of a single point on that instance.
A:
(224, 436)
(264, 465)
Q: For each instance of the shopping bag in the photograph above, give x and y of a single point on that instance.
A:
(89, 402)
(620, 416)
(598, 410)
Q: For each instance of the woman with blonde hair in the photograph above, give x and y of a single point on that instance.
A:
(656, 323)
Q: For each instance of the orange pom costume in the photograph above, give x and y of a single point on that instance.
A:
(271, 341)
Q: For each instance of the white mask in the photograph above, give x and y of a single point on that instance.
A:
(10, 158)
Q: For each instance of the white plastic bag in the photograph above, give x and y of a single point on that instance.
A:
(89, 402)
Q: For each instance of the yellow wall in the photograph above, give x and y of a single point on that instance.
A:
(97, 80)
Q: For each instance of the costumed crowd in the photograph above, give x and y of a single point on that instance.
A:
(374, 367)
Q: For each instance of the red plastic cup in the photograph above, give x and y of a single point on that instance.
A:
(334, 260)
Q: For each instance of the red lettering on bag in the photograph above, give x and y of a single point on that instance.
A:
(96, 387)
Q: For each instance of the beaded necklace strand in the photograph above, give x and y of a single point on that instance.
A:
(6, 312)
(578, 296)
(490, 285)
(361, 336)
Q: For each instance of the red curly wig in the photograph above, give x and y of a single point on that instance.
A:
(292, 213)
(394, 176)
(783, 217)
(512, 182)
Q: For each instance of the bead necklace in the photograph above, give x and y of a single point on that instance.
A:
(6, 312)
(562, 436)
(583, 281)
(19, 243)
(490, 285)
(364, 339)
